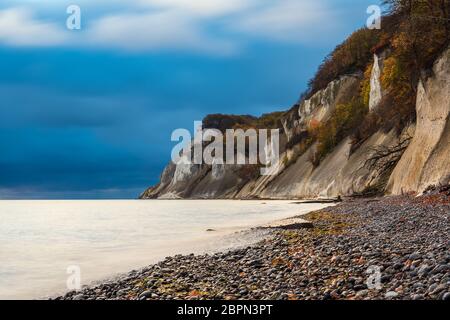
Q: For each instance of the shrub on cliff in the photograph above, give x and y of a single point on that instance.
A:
(365, 85)
(416, 32)
(352, 55)
(224, 121)
(343, 121)
(269, 121)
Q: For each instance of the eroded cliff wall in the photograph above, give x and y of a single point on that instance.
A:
(343, 172)
(427, 160)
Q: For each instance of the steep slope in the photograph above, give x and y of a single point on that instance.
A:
(343, 171)
(427, 160)
(375, 119)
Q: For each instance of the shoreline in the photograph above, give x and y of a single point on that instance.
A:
(405, 239)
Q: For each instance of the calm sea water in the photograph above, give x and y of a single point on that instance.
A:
(39, 240)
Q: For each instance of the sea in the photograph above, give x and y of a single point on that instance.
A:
(44, 244)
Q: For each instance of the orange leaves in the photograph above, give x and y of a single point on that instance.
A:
(352, 55)
(365, 85)
(391, 73)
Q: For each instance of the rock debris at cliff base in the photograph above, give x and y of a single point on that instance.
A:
(406, 238)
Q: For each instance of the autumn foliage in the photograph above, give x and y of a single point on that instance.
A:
(349, 57)
(414, 33)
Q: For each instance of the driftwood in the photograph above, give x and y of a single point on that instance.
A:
(385, 158)
(382, 162)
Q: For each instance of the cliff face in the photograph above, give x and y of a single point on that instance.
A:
(196, 181)
(320, 106)
(376, 90)
(340, 174)
(427, 160)
(343, 172)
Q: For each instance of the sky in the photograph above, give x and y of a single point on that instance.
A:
(88, 113)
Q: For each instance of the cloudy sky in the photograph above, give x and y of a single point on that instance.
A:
(88, 113)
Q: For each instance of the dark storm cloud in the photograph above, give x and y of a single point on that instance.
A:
(95, 121)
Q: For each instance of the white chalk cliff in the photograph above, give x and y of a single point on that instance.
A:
(376, 93)
(425, 162)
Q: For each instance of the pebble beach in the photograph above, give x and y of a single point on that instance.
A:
(394, 248)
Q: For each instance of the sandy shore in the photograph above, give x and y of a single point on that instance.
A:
(381, 248)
